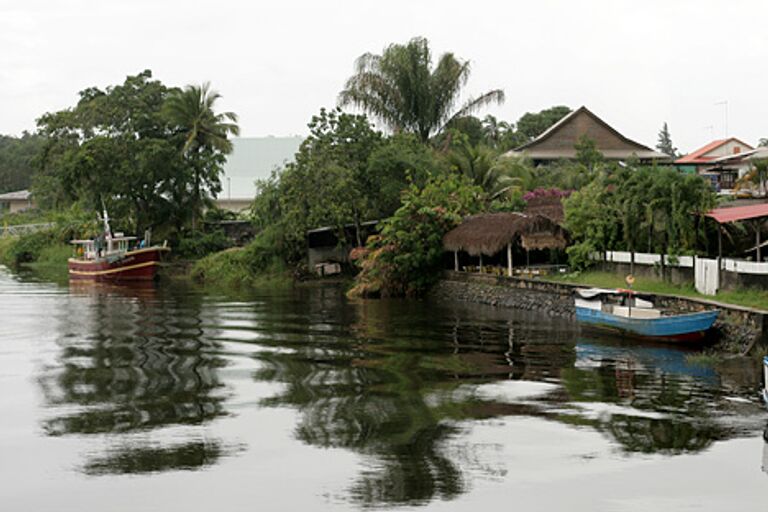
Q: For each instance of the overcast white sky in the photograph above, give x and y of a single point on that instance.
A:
(634, 63)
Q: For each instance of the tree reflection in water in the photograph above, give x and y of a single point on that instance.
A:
(397, 385)
(393, 381)
(133, 363)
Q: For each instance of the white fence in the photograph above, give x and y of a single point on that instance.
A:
(706, 275)
(22, 229)
(644, 258)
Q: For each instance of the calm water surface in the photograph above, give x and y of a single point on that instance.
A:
(167, 398)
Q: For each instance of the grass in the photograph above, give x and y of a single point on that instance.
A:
(6, 245)
(232, 268)
(54, 255)
(752, 298)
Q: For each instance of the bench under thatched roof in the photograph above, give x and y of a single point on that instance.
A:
(489, 233)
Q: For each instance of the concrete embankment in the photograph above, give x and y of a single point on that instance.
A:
(739, 328)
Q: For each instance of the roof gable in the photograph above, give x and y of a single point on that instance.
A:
(560, 139)
(702, 155)
(567, 131)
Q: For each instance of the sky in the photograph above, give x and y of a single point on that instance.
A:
(635, 64)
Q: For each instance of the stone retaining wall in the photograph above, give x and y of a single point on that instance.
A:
(739, 327)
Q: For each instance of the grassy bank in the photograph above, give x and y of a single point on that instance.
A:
(257, 265)
(747, 297)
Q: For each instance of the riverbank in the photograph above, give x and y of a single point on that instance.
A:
(740, 329)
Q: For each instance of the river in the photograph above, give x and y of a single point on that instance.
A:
(170, 398)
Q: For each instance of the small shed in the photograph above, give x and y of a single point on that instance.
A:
(17, 201)
(490, 233)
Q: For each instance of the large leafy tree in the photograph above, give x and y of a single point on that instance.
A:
(327, 184)
(17, 160)
(401, 88)
(192, 111)
(112, 149)
(533, 124)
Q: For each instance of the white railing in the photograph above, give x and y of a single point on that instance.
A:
(644, 258)
(641, 258)
(20, 229)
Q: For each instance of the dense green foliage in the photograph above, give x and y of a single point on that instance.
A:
(638, 209)
(17, 161)
(42, 245)
(148, 153)
(401, 88)
(260, 263)
(327, 184)
(407, 257)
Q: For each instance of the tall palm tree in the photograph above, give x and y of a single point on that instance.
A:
(401, 88)
(206, 133)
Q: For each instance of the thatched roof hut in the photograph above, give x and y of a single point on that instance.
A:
(550, 206)
(490, 233)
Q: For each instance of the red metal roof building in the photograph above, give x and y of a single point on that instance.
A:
(738, 213)
(719, 161)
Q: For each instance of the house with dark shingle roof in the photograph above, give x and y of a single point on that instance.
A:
(559, 141)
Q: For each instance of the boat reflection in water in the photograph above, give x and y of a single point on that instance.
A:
(139, 370)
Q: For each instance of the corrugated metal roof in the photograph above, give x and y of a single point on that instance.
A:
(697, 157)
(19, 195)
(737, 213)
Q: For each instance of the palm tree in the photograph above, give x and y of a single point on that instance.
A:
(400, 88)
(206, 135)
(494, 130)
(497, 176)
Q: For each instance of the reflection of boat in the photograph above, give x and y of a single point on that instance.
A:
(624, 311)
(765, 382)
(115, 258)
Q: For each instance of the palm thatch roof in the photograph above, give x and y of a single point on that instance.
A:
(489, 233)
(548, 206)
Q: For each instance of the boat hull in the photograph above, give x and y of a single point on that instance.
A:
(138, 265)
(681, 328)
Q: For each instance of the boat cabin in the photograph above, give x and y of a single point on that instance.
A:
(616, 302)
(103, 247)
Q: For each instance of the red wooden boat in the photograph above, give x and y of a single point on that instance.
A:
(115, 258)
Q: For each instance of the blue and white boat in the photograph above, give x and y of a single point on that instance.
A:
(624, 312)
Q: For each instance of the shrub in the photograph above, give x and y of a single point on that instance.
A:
(198, 245)
(406, 259)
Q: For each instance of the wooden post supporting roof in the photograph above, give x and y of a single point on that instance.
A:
(509, 259)
(456, 261)
(481, 263)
